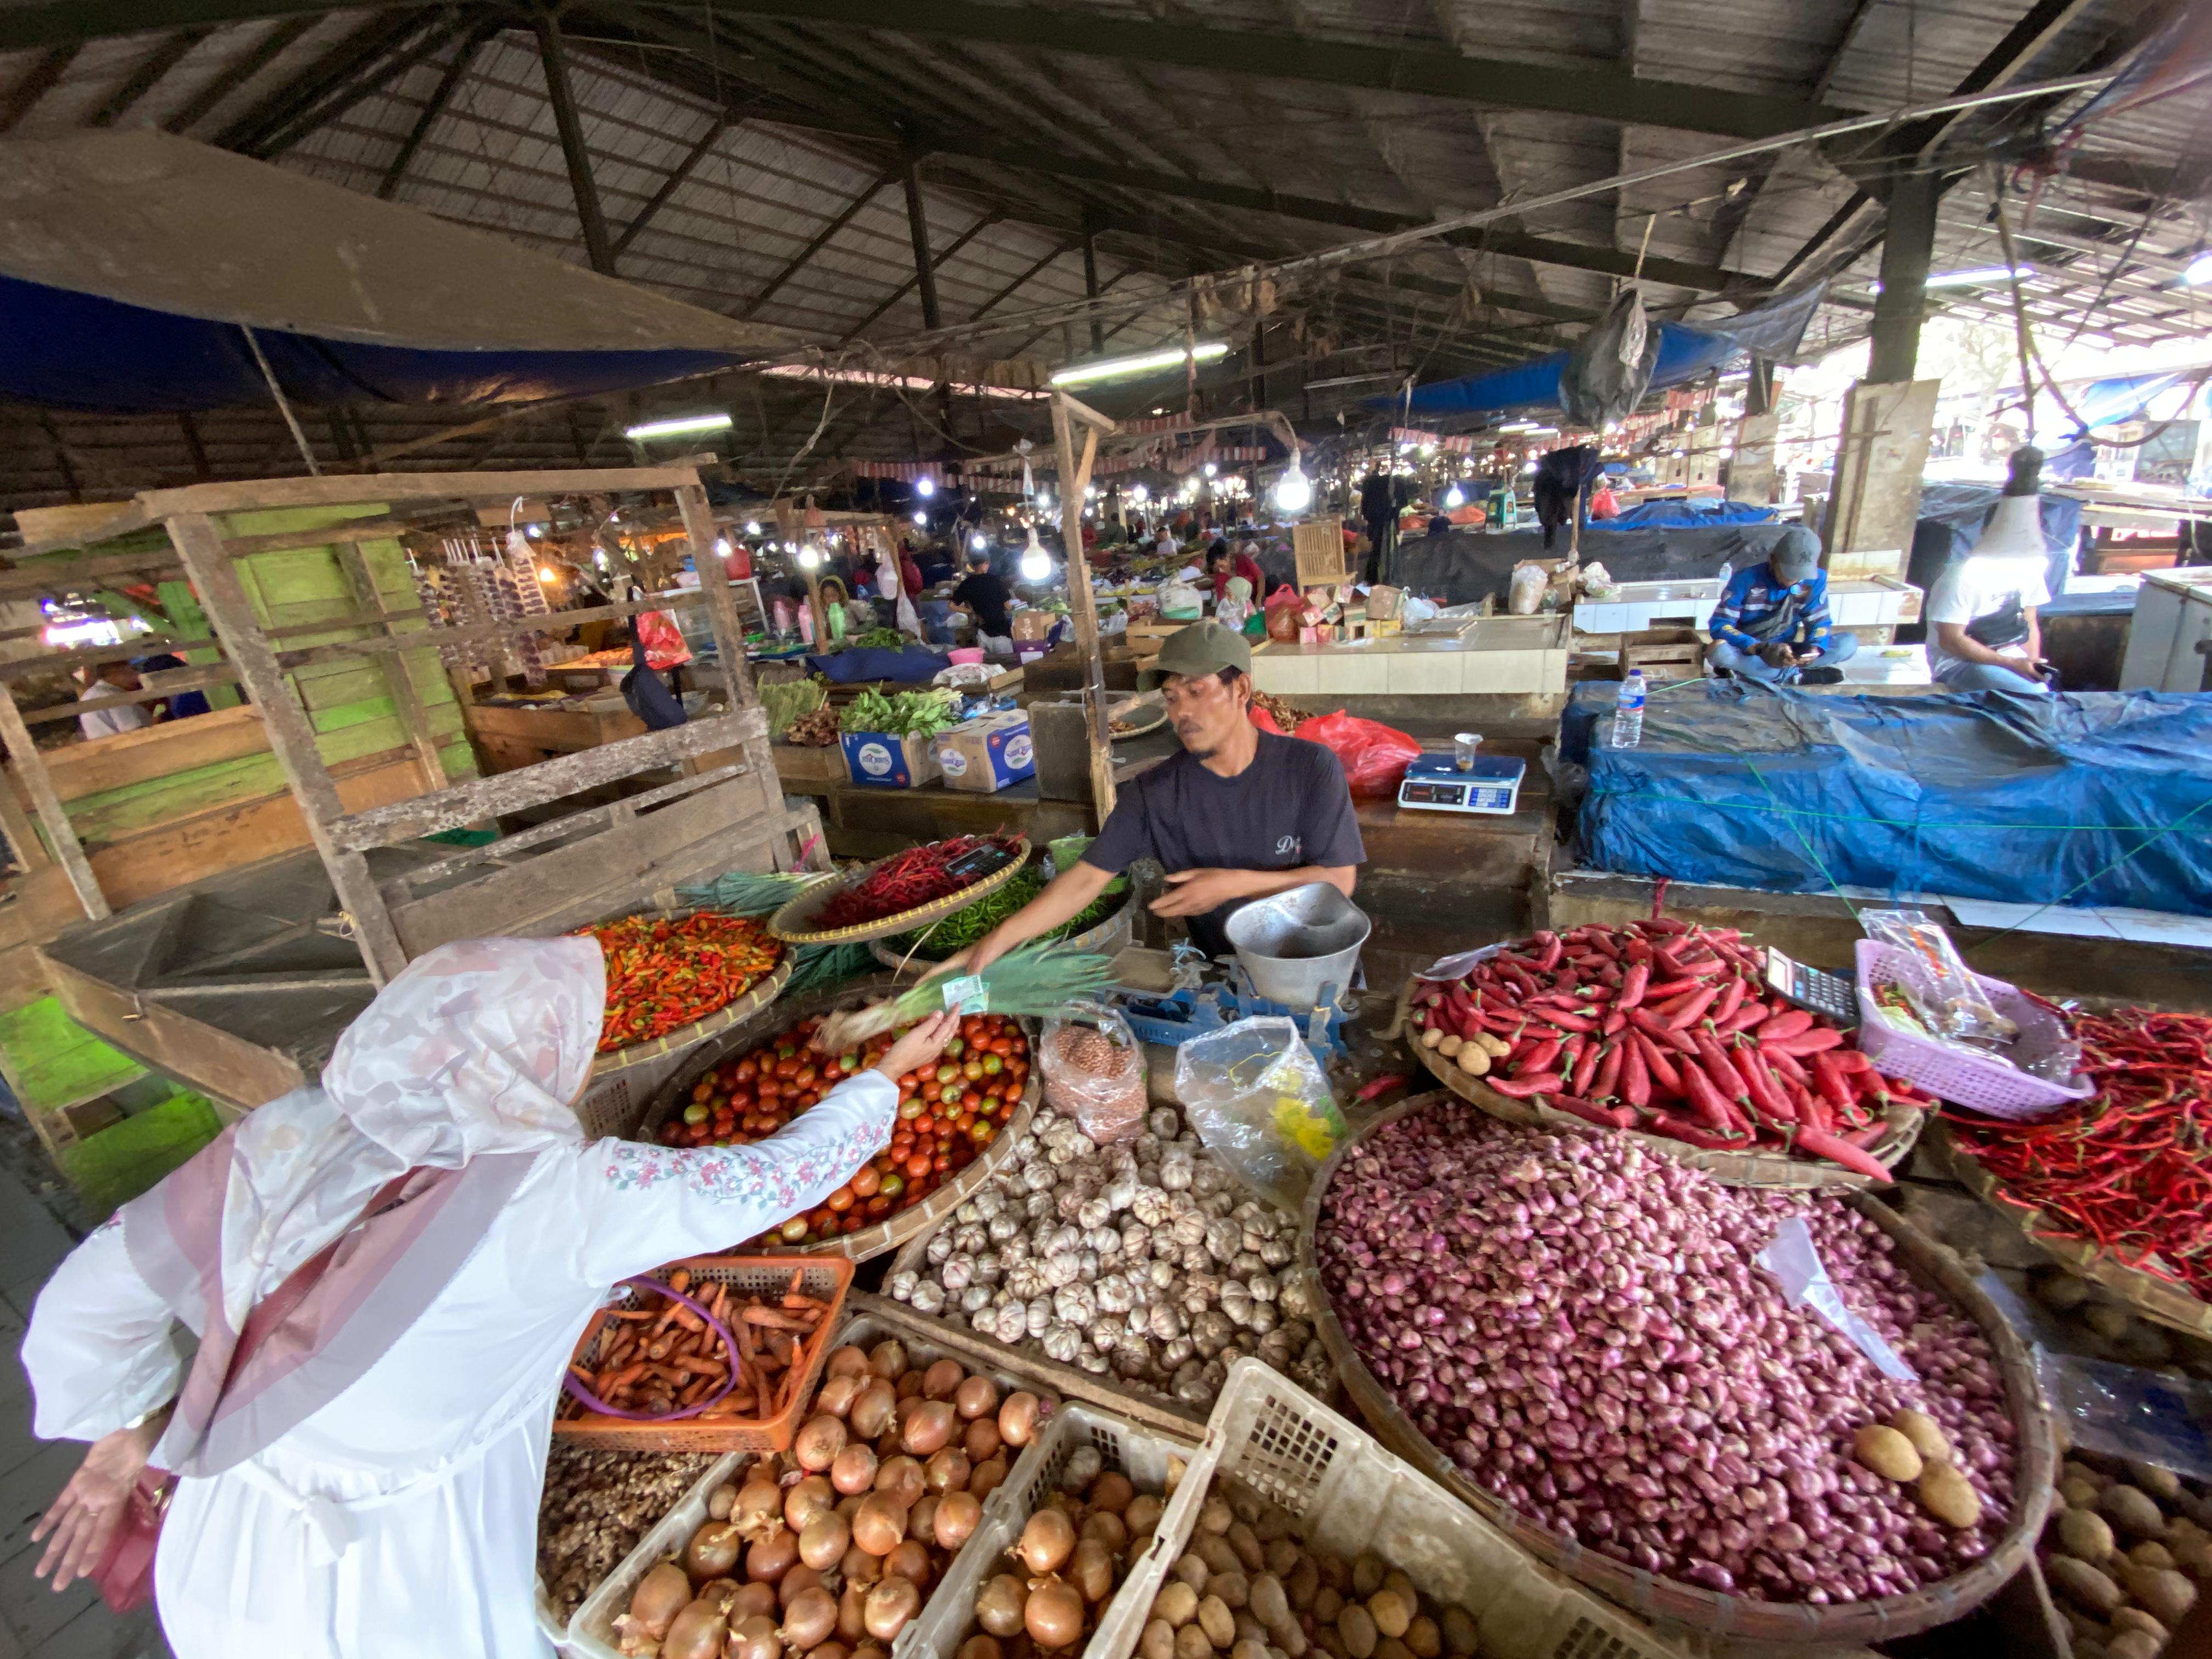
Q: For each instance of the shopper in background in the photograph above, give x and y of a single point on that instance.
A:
(106, 682)
(365, 1483)
(178, 705)
(1771, 624)
(984, 595)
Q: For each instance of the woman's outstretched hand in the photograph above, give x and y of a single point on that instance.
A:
(919, 1047)
(84, 1517)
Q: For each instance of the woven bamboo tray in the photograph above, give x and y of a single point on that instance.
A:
(893, 1230)
(1736, 1617)
(672, 1044)
(1105, 937)
(794, 923)
(1770, 1171)
(2154, 1298)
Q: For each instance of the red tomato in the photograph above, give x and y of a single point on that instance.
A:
(917, 1166)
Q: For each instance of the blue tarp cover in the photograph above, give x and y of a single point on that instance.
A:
(2072, 799)
(1683, 515)
(912, 666)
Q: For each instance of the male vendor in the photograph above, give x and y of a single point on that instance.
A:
(1239, 814)
(1771, 624)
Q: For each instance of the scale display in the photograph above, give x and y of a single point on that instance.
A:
(1435, 784)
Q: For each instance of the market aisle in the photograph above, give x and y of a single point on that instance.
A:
(33, 1619)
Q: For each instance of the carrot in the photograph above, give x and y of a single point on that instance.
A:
(775, 1319)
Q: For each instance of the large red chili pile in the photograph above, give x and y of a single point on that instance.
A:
(663, 973)
(2125, 1169)
(1667, 1028)
(906, 881)
(946, 1115)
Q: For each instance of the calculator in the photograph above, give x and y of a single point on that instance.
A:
(1835, 996)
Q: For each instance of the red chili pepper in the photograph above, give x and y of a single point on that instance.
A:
(1633, 985)
(1693, 1134)
(1519, 1088)
(1606, 1117)
(1657, 1061)
(1382, 1086)
(1692, 1008)
(1837, 1150)
(1806, 1042)
(1786, 1025)
(1635, 1072)
(1608, 1073)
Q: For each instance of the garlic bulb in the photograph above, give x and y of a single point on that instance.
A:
(1167, 1322)
(974, 1296)
(1190, 1385)
(900, 1286)
(1174, 1351)
(1015, 1248)
(1071, 1200)
(1105, 1331)
(1176, 1169)
(1114, 1296)
(1103, 1240)
(1094, 1362)
(1136, 1242)
(1210, 1331)
(1039, 1316)
(1197, 1260)
(990, 1204)
(957, 1274)
(1164, 1121)
(989, 1267)
(1218, 1203)
(1207, 1177)
(1263, 1318)
(1188, 1231)
(1093, 1214)
(1038, 1205)
(1296, 1296)
(1012, 1323)
(1161, 1274)
(1002, 1227)
(1236, 1303)
(928, 1298)
(1222, 1238)
(1245, 1264)
(939, 1247)
(1133, 1356)
(1084, 1464)
(1062, 1343)
(1027, 1278)
(1276, 1251)
(1075, 1304)
(1039, 1177)
(1061, 1269)
(968, 1212)
(1150, 1206)
(970, 1240)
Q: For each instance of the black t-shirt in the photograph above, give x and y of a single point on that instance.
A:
(986, 593)
(1289, 807)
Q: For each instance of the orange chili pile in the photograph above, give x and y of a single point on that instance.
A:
(906, 881)
(2126, 1168)
(662, 973)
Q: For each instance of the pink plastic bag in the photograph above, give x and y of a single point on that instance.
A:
(1375, 756)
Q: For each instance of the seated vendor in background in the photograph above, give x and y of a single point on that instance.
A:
(984, 595)
(1238, 815)
(1771, 624)
(1983, 634)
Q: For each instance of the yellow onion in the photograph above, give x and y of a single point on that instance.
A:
(823, 1544)
(773, 1557)
(712, 1551)
(836, 1395)
(754, 1639)
(988, 1476)
(889, 1606)
(981, 1439)
(810, 1619)
(909, 1558)
(851, 1606)
(849, 1361)
(1054, 1614)
(1000, 1604)
(1017, 1418)
(928, 1429)
(901, 1478)
(943, 1380)
(977, 1397)
(1047, 1541)
(880, 1523)
(753, 1600)
(947, 1470)
(854, 1471)
(1112, 1490)
(1091, 1569)
(818, 1443)
(694, 1633)
(807, 1498)
(888, 1359)
(955, 1520)
(873, 1409)
(758, 1510)
(980, 1647)
(659, 1596)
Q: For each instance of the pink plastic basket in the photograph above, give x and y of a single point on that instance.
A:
(1986, 1084)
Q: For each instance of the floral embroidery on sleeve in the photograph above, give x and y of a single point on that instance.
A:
(783, 1179)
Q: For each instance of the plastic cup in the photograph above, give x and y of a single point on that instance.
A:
(1465, 747)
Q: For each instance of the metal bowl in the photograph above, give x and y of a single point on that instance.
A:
(1295, 944)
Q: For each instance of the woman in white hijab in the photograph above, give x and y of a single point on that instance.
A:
(364, 1481)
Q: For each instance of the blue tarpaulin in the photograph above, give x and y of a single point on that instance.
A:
(1683, 515)
(2091, 799)
(912, 666)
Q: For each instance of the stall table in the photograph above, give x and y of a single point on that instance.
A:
(511, 735)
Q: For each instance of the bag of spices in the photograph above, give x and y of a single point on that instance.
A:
(1094, 1072)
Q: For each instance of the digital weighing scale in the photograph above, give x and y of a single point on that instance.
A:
(1434, 783)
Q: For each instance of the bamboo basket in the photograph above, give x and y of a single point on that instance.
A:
(893, 1230)
(794, 923)
(1737, 1619)
(2154, 1298)
(1766, 1170)
(672, 1044)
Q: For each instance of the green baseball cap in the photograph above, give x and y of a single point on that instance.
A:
(1205, 647)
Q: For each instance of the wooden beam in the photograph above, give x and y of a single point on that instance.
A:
(23, 840)
(290, 734)
(32, 580)
(917, 225)
(671, 183)
(23, 668)
(1082, 602)
(23, 755)
(844, 217)
(380, 32)
(353, 489)
(165, 56)
(937, 262)
(440, 96)
(38, 80)
(406, 702)
(200, 680)
(544, 783)
(266, 52)
(479, 634)
(598, 248)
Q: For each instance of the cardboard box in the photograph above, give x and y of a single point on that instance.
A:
(985, 755)
(881, 760)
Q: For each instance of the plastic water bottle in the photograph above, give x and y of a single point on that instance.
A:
(1628, 712)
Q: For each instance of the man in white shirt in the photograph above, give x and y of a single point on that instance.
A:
(1983, 634)
(110, 680)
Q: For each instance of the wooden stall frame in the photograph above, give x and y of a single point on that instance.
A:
(1082, 603)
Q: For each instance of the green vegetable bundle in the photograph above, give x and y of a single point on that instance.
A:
(785, 700)
(885, 639)
(1031, 979)
(902, 715)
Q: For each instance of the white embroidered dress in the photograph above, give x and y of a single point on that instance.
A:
(401, 1518)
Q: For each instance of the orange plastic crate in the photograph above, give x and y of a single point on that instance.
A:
(826, 1278)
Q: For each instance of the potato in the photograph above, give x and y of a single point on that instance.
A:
(2136, 1619)
(2161, 1484)
(2085, 1535)
(1272, 1524)
(1391, 1648)
(1191, 1568)
(1328, 1642)
(1268, 1603)
(1177, 1603)
(1302, 1585)
(2194, 1556)
(1336, 1573)
(1142, 1517)
(1246, 1543)
(1367, 1575)
(2132, 1644)
(2151, 1554)
(1396, 1580)
(1216, 1621)
(1292, 1639)
(1424, 1638)
(2058, 1288)
(2164, 1593)
(1283, 1558)
(2132, 1512)
(1435, 1037)
(1214, 1516)
(1249, 1650)
(1159, 1641)
(1392, 1611)
(2083, 1584)
(1921, 1429)
(1886, 1452)
(1327, 1605)
(1473, 1060)
(1947, 1495)
(2107, 1319)
(1214, 1549)
(1358, 1630)
(1245, 1505)
(1190, 1642)
(1249, 1629)
(2079, 1494)
(1460, 1632)
(1234, 1588)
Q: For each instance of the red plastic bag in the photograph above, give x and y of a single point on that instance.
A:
(1265, 721)
(663, 640)
(1375, 756)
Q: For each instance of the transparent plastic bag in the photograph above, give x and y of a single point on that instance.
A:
(1943, 992)
(1260, 1101)
(1094, 1072)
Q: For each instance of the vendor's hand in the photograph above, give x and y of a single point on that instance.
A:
(919, 1047)
(1777, 656)
(1194, 892)
(84, 1517)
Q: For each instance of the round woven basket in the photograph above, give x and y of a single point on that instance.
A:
(794, 925)
(1106, 937)
(893, 1230)
(1740, 1619)
(1768, 1169)
(670, 1043)
(2154, 1298)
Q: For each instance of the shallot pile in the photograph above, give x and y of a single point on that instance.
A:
(1580, 1325)
(1141, 1259)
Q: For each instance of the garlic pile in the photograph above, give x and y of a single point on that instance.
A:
(1141, 1258)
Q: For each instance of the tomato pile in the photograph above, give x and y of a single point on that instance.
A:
(946, 1115)
(662, 973)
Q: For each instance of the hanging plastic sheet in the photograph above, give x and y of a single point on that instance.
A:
(2096, 798)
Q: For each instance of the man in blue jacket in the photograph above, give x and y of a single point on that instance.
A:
(1772, 624)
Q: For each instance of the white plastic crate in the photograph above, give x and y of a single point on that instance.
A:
(1147, 1458)
(1347, 1496)
(591, 1631)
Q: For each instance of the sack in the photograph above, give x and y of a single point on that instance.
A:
(1260, 1101)
(1375, 756)
(1094, 1072)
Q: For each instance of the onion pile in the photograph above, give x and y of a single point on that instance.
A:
(828, 1550)
(1141, 1259)
(1581, 1326)
(1247, 1587)
(1074, 1552)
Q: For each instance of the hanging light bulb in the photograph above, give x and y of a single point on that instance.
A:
(925, 488)
(1210, 469)
(752, 526)
(1037, 563)
(810, 557)
(1140, 495)
(922, 519)
(1454, 497)
(978, 544)
(1294, 490)
(722, 546)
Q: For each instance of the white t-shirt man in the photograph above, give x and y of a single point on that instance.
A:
(1972, 589)
(109, 722)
